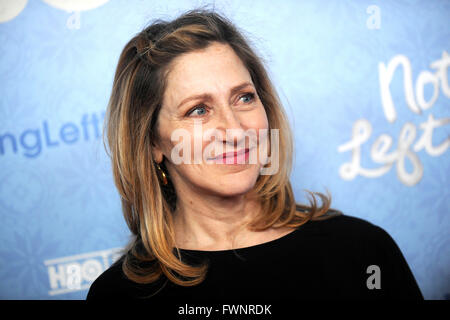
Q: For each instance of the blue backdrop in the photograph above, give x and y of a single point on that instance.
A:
(365, 85)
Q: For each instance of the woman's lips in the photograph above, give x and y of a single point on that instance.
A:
(237, 157)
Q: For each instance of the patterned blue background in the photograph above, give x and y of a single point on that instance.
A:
(60, 213)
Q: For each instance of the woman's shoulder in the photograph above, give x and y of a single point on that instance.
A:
(335, 218)
(343, 226)
(354, 238)
(363, 248)
(110, 284)
(113, 284)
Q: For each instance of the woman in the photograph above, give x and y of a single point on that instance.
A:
(224, 227)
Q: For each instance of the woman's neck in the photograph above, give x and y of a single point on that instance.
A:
(210, 222)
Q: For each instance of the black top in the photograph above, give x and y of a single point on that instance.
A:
(327, 259)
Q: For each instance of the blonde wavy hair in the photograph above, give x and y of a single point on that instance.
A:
(136, 98)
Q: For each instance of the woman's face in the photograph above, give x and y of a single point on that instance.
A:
(210, 90)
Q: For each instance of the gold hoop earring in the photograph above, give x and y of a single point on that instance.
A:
(164, 177)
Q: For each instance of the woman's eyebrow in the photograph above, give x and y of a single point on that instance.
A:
(208, 96)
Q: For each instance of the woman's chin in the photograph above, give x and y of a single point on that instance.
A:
(230, 186)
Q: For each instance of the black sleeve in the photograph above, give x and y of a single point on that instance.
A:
(397, 280)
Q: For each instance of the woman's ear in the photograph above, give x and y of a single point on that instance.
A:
(157, 154)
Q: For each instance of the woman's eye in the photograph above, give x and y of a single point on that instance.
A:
(248, 97)
(197, 111)
(202, 110)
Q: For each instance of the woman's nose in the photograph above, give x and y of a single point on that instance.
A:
(231, 125)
